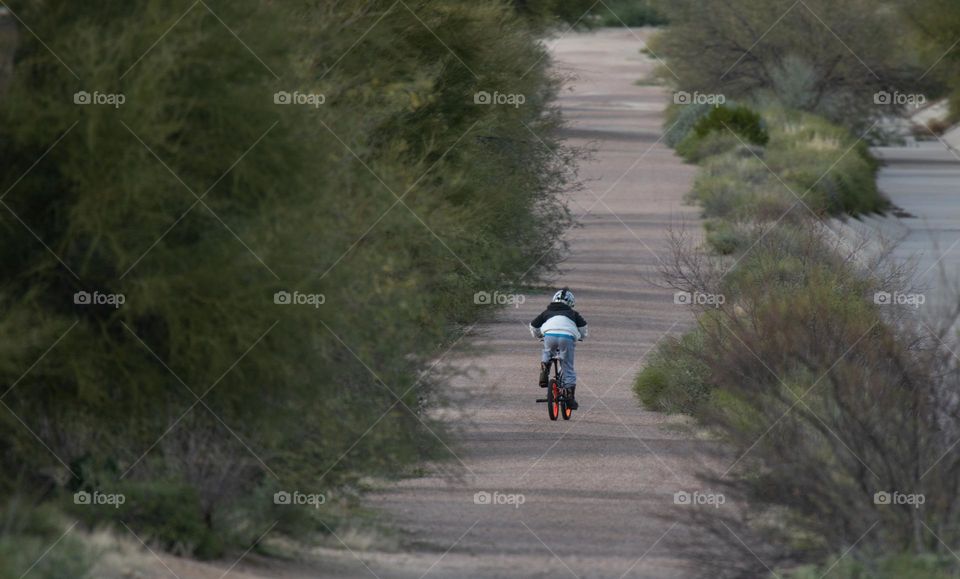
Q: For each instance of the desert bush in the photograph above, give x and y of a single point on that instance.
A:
(884, 567)
(723, 48)
(26, 535)
(933, 26)
(164, 513)
(724, 237)
(747, 124)
(201, 200)
(695, 148)
(637, 13)
(823, 398)
(680, 120)
(674, 379)
(737, 186)
(826, 398)
(550, 13)
(825, 162)
(807, 162)
(47, 542)
(698, 132)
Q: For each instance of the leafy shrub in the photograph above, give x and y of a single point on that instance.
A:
(674, 379)
(719, 195)
(882, 567)
(170, 515)
(548, 13)
(809, 379)
(739, 119)
(723, 237)
(680, 120)
(935, 24)
(812, 156)
(165, 513)
(803, 160)
(802, 376)
(26, 535)
(294, 199)
(802, 64)
(738, 187)
(695, 148)
(637, 13)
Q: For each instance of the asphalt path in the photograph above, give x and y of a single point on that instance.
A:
(592, 497)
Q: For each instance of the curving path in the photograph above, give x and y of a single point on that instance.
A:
(923, 181)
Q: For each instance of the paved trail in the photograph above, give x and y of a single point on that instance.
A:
(592, 487)
(923, 181)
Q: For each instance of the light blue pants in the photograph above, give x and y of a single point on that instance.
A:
(565, 346)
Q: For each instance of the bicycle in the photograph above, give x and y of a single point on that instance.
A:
(556, 394)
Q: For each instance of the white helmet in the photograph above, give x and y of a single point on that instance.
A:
(564, 296)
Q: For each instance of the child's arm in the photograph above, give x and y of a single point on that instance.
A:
(535, 326)
(581, 326)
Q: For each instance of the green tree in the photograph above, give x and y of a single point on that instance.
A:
(568, 12)
(819, 56)
(384, 187)
(936, 24)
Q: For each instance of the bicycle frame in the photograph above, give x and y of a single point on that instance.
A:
(556, 360)
(556, 394)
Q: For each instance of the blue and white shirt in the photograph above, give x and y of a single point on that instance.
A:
(561, 320)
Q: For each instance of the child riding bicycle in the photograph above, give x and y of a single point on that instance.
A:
(561, 327)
